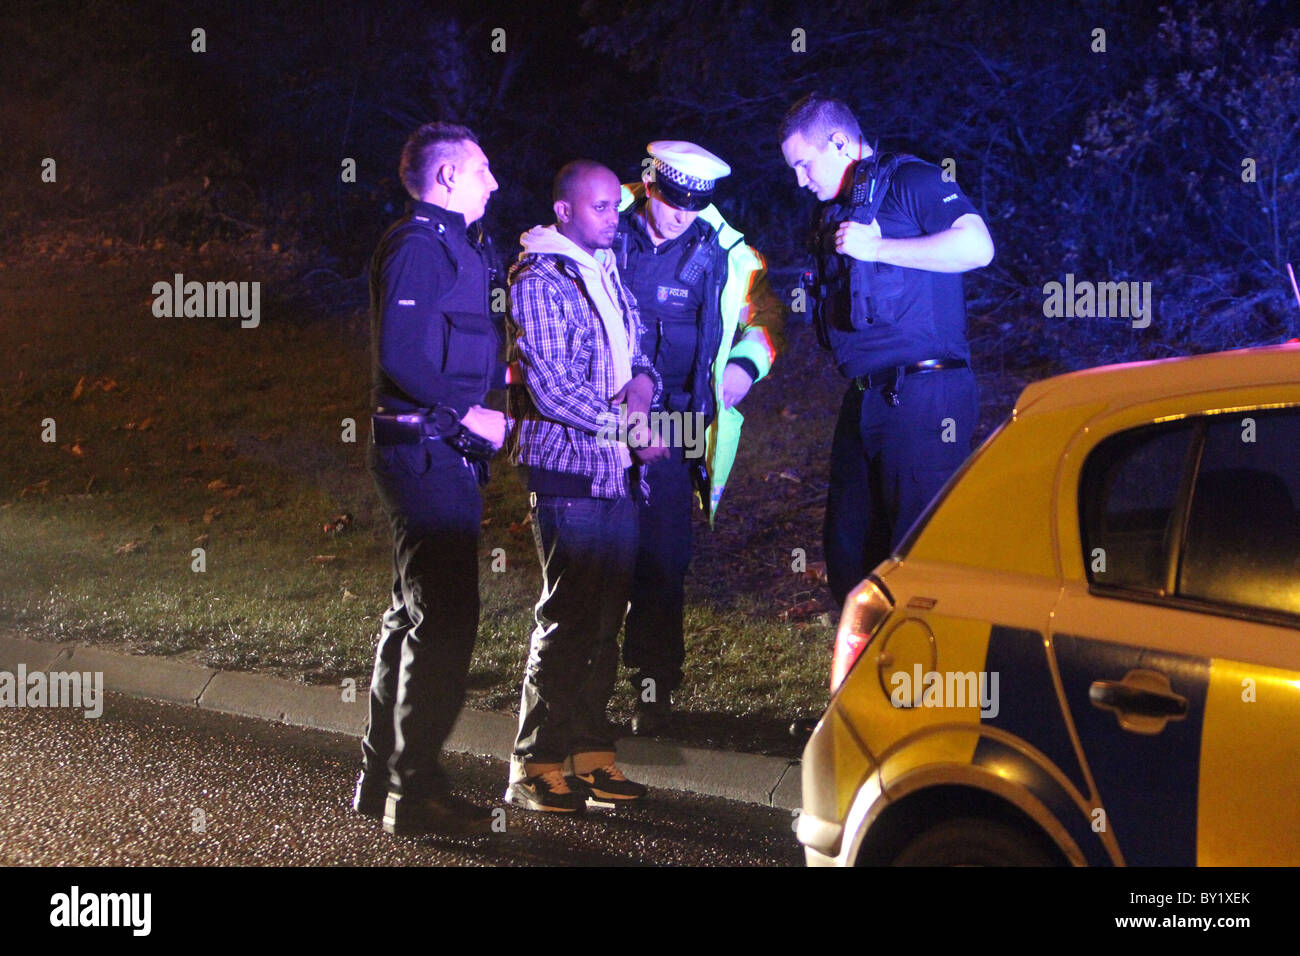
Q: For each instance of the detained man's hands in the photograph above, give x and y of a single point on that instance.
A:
(649, 447)
(638, 393)
(486, 423)
(646, 446)
(735, 385)
(859, 240)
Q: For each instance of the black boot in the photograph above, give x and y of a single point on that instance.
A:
(370, 795)
(653, 717)
(442, 814)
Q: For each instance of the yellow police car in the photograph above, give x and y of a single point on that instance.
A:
(1087, 651)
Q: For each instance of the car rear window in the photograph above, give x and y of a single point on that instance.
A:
(1243, 529)
(1128, 503)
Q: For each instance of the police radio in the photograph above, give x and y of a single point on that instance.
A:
(864, 186)
(697, 261)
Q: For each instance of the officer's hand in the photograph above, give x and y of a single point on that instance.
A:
(486, 423)
(735, 385)
(859, 240)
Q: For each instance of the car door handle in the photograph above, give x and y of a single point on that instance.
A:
(1142, 702)
(1118, 696)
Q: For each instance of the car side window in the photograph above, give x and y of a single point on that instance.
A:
(1128, 500)
(1243, 529)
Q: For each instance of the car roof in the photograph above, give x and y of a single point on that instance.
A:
(1133, 383)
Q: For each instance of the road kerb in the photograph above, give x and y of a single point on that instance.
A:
(749, 778)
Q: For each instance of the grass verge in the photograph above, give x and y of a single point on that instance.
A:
(167, 481)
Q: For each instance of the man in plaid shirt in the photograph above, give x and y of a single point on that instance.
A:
(577, 338)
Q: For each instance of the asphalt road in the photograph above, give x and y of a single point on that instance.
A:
(159, 784)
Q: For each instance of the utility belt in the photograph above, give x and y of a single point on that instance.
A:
(440, 423)
(891, 379)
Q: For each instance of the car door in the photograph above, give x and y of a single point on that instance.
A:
(1179, 656)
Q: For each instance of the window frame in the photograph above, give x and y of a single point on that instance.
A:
(1175, 547)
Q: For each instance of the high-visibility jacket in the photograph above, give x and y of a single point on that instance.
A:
(753, 318)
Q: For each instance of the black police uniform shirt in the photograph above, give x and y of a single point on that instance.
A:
(670, 308)
(434, 341)
(929, 320)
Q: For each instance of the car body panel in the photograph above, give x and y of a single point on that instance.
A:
(1249, 709)
(981, 525)
(1145, 782)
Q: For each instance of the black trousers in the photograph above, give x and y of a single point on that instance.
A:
(434, 505)
(587, 547)
(654, 647)
(887, 463)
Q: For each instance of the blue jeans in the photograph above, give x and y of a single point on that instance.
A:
(587, 548)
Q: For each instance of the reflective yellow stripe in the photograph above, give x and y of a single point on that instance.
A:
(1248, 799)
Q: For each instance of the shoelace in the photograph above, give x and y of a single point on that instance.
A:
(555, 782)
(611, 770)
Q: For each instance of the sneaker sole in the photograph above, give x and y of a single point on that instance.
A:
(595, 793)
(616, 798)
(526, 802)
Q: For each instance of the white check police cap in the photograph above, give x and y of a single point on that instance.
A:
(685, 173)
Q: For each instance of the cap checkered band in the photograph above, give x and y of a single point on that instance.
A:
(673, 175)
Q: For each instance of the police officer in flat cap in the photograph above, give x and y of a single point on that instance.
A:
(712, 328)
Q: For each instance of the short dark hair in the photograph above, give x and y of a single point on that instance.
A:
(816, 117)
(569, 175)
(428, 148)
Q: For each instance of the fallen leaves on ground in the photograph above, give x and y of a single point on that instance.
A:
(786, 475)
(101, 384)
(337, 525)
(801, 611)
(815, 573)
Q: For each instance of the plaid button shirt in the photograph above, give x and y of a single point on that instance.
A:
(562, 418)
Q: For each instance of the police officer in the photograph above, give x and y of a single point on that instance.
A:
(434, 352)
(711, 324)
(893, 236)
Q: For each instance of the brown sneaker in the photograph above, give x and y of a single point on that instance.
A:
(548, 791)
(608, 784)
